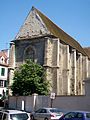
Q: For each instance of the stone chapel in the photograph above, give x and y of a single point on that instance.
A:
(66, 63)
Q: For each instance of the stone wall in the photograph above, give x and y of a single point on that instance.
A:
(80, 102)
(37, 46)
(62, 102)
(66, 68)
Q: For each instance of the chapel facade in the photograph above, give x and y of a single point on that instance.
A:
(66, 63)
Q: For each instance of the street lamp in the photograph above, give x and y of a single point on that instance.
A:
(52, 97)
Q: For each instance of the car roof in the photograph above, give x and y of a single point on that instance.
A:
(80, 111)
(49, 108)
(13, 111)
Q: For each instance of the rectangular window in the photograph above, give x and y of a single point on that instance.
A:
(2, 71)
(1, 83)
(5, 83)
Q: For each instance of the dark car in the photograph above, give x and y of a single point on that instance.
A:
(76, 115)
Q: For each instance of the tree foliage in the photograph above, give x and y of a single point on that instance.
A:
(29, 78)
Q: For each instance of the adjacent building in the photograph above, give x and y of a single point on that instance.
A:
(4, 61)
(66, 63)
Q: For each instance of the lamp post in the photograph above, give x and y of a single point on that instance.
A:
(16, 100)
(52, 97)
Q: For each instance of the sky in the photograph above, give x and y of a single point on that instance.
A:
(73, 16)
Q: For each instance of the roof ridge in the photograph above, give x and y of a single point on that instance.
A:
(58, 32)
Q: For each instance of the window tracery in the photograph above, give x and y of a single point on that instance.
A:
(29, 53)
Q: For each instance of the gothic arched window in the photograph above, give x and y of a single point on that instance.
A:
(29, 53)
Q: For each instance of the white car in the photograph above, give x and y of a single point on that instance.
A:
(13, 115)
(47, 114)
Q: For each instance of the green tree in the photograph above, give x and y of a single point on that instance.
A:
(29, 78)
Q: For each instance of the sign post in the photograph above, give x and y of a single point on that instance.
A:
(52, 96)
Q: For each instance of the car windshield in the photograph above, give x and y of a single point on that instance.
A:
(19, 116)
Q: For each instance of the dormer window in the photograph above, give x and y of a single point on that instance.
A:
(2, 60)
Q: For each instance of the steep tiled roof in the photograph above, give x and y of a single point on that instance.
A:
(3, 54)
(58, 32)
(4, 57)
(87, 50)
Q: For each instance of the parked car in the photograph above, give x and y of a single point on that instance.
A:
(47, 114)
(76, 115)
(13, 115)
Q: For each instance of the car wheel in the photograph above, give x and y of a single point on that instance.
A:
(31, 117)
(46, 119)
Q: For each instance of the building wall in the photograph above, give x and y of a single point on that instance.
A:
(62, 102)
(66, 68)
(3, 79)
(37, 46)
(4, 59)
(78, 102)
